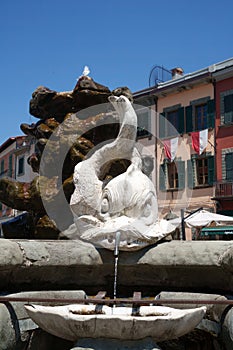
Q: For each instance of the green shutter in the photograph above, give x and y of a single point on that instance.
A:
(189, 118)
(229, 166)
(181, 120)
(190, 173)
(180, 166)
(211, 170)
(211, 113)
(161, 125)
(162, 177)
(2, 166)
(10, 166)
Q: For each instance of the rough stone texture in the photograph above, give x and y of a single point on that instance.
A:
(179, 266)
(214, 311)
(11, 255)
(227, 329)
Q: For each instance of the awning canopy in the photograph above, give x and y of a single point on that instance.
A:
(220, 230)
(204, 218)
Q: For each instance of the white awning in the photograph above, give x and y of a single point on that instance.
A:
(204, 218)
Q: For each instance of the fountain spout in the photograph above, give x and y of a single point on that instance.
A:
(117, 243)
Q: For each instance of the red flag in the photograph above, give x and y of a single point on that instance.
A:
(199, 140)
(170, 147)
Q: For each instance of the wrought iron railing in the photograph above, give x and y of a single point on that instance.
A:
(224, 188)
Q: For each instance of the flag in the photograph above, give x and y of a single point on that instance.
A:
(170, 147)
(199, 140)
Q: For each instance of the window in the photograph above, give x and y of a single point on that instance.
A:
(229, 166)
(226, 107)
(173, 180)
(172, 175)
(10, 166)
(21, 166)
(200, 171)
(144, 122)
(171, 121)
(200, 115)
(2, 167)
(200, 120)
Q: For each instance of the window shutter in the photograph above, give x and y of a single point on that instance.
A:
(190, 173)
(10, 166)
(2, 166)
(228, 103)
(211, 113)
(189, 118)
(181, 120)
(161, 125)
(181, 174)
(229, 166)
(143, 122)
(162, 177)
(211, 170)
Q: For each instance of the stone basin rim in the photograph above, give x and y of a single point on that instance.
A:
(62, 322)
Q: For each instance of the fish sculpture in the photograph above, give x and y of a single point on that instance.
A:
(127, 203)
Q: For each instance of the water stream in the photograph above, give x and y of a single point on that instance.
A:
(116, 256)
(115, 278)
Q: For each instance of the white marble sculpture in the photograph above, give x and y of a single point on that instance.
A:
(73, 322)
(127, 204)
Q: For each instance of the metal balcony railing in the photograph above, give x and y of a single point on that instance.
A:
(224, 189)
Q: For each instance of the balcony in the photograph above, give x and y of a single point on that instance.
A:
(224, 189)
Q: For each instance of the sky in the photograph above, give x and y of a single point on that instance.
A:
(48, 42)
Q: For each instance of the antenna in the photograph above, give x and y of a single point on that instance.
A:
(159, 74)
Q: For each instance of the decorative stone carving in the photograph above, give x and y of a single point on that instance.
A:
(127, 203)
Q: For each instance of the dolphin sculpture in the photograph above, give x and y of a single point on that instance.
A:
(127, 203)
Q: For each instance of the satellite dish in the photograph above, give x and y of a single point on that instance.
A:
(159, 74)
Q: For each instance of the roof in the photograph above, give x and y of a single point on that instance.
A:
(9, 142)
(186, 79)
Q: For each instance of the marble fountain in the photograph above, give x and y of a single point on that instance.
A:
(94, 225)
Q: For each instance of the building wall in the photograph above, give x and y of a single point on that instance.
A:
(4, 156)
(27, 175)
(224, 134)
(188, 198)
(183, 97)
(20, 147)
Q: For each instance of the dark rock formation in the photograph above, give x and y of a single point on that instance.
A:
(68, 131)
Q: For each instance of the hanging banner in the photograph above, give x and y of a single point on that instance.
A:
(170, 147)
(199, 140)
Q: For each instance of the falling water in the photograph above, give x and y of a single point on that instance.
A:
(116, 255)
(115, 277)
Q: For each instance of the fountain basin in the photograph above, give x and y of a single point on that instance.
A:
(72, 322)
